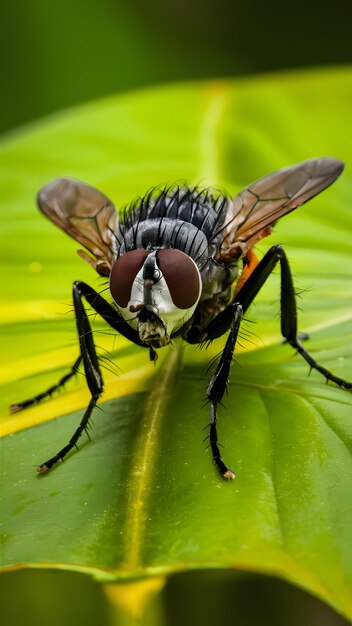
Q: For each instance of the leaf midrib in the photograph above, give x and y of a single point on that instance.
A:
(141, 473)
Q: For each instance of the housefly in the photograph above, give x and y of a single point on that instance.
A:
(180, 264)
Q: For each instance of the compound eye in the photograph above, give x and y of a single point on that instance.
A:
(123, 273)
(181, 275)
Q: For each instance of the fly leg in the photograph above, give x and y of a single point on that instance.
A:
(92, 371)
(230, 318)
(19, 406)
(288, 306)
(216, 389)
(90, 360)
(110, 315)
(249, 291)
(89, 356)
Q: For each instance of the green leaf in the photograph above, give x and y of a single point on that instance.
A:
(143, 499)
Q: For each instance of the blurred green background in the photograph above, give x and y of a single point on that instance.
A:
(56, 55)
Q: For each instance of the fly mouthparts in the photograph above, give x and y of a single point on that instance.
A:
(148, 313)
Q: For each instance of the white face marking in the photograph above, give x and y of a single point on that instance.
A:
(171, 316)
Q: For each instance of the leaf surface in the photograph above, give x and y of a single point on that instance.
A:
(143, 497)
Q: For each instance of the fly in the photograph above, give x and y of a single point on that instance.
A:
(180, 264)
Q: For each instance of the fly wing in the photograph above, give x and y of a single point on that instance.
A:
(85, 214)
(255, 210)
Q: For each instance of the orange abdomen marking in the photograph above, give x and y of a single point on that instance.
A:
(250, 262)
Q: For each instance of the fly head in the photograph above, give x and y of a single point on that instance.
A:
(156, 292)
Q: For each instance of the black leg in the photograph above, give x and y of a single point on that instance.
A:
(216, 389)
(90, 360)
(18, 406)
(108, 313)
(92, 371)
(231, 318)
(89, 356)
(44, 467)
(249, 291)
(111, 316)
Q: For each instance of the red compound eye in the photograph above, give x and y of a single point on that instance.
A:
(181, 275)
(123, 273)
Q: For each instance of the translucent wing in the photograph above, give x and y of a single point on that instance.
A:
(254, 210)
(85, 214)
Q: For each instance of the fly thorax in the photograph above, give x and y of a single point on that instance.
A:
(156, 292)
